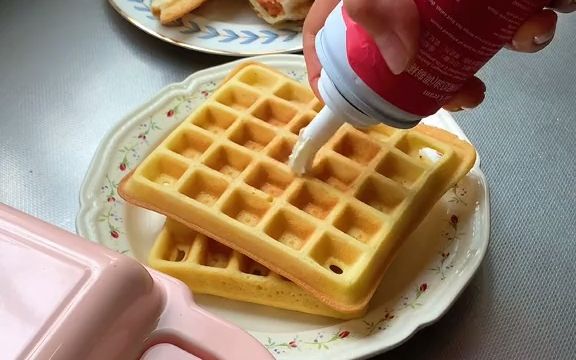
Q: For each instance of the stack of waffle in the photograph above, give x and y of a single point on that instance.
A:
(241, 225)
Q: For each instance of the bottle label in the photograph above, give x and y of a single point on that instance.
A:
(457, 38)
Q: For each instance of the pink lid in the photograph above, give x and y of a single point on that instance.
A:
(167, 351)
(68, 298)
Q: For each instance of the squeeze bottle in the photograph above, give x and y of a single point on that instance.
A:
(457, 37)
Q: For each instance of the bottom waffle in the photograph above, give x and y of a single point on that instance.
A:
(209, 267)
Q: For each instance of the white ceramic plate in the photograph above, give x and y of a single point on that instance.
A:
(431, 270)
(226, 27)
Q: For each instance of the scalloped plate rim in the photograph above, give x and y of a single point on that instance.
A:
(448, 296)
(368, 348)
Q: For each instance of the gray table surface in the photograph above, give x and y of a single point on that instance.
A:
(70, 69)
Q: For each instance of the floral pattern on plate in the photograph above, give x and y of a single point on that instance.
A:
(418, 287)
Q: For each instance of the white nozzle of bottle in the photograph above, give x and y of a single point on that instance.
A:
(311, 139)
(336, 112)
(347, 97)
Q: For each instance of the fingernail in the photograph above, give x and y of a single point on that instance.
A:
(393, 51)
(543, 39)
(453, 108)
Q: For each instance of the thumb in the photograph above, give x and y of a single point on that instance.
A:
(393, 24)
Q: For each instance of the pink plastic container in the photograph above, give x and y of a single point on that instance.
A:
(63, 297)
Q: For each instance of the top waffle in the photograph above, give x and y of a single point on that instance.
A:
(224, 172)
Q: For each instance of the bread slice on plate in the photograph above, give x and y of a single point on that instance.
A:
(172, 10)
(276, 11)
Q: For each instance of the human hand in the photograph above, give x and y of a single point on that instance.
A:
(394, 26)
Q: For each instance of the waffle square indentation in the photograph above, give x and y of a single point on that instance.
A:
(336, 173)
(358, 223)
(335, 254)
(252, 136)
(237, 97)
(164, 170)
(228, 161)
(215, 254)
(414, 145)
(269, 179)
(300, 122)
(281, 149)
(214, 119)
(357, 146)
(381, 195)
(274, 113)
(190, 144)
(314, 200)
(399, 168)
(249, 266)
(258, 78)
(204, 187)
(180, 246)
(295, 94)
(290, 229)
(246, 207)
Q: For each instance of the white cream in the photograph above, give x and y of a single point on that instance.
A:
(430, 154)
(311, 139)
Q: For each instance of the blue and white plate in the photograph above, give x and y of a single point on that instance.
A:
(225, 27)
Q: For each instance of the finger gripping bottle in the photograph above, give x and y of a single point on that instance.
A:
(457, 38)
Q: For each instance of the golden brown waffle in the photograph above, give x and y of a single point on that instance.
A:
(209, 267)
(224, 172)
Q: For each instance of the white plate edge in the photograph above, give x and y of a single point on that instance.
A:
(188, 46)
(449, 296)
(104, 150)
